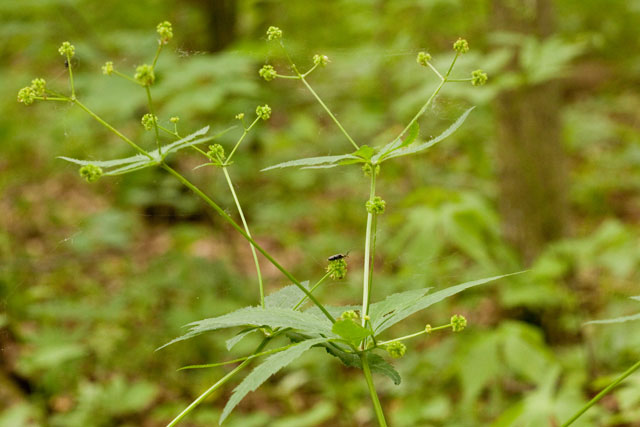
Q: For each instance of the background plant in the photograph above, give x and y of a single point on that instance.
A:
(68, 315)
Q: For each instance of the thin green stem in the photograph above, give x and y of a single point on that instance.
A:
(372, 391)
(239, 229)
(112, 129)
(244, 133)
(155, 58)
(43, 98)
(124, 76)
(304, 298)
(313, 92)
(435, 70)
(417, 334)
(282, 76)
(154, 117)
(172, 133)
(246, 228)
(459, 80)
(455, 58)
(73, 88)
(311, 70)
(368, 263)
(603, 393)
(216, 386)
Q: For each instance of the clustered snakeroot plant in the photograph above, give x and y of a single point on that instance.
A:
(355, 335)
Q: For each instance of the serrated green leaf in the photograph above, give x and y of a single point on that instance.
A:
(621, 319)
(262, 372)
(421, 147)
(231, 342)
(414, 131)
(286, 297)
(376, 363)
(107, 163)
(364, 152)
(258, 316)
(636, 298)
(310, 161)
(350, 330)
(379, 311)
(429, 300)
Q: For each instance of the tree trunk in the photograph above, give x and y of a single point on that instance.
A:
(531, 161)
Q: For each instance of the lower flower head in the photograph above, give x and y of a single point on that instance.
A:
(268, 73)
(149, 121)
(478, 78)
(67, 49)
(216, 152)
(337, 268)
(90, 172)
(458, 323)
(26, 95)
(396, 349)
(461, 46)
(145, 75)
(263, 111)
(376, 205)
(423, 58)
(351, 314)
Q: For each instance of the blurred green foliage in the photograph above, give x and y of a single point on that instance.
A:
(94, 278)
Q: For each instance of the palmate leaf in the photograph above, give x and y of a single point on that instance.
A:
(286, 297)
(350, 331)
(140, 161)
(430, 299)
(262, 372)
(257, 316)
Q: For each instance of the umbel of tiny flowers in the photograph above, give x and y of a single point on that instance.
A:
(107, 68)
(148, 121)
(478, 78)
(174, 119)
(90, 173)
(165, 31)
(267, 72)
(145, 75)
(216, 153)
(263, 111)
(321, 60)
(274, 33)
(240, 116)
(375, 205)
(461, 46)
(458, 323)
(67, 49)
(423, 59)
(337, 269)
(350, 315)
(28, 94)
(396, 349)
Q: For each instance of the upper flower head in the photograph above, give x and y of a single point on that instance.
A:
(91, 172)
(149, 121)
(263, 111)
(145, 75)
(321, 60)
(461, 46)
(268, 73)
(396, 349)
(274, 33)
(423, 58)
(26, 95)
(67, 49)
(458, 323)
(107, 68)
(166, 31)
(38, 86)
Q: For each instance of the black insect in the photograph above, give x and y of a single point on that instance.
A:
(337, 257)
(66, 63)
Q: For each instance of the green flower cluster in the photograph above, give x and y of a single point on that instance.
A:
(367, 169)
(263, 111)
(461, 46)
(351, 314)
(479, 78)
(423, 59)
(396, 349)
(107, 68)
(216, 153)
(458, 323)
(321, 60)
(145, 75)
(67, 49)
(376, 205)
(274, 33)
(337, 269)
(149, 121)
(28, 94)
(268, 73)
(166, 32)
(90, 173)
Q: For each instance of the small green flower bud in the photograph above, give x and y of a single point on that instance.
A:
(26, 95)
(428, 328)
(148, 121)
(263, 111)
(90, 173)
(458, 323)
(107, 68)
(67, 49)
(461, 46)
(337, 269)
(268, 73)
(240, 116)
(38, 86)
(367, 318)
(396, 349)
(216, 152)
(366, 169)
(174, 119)
(423, 59)
(321, 60)
(478, 78)
(351, 314)
(165, 31)
(145, 75)
(376, 205)
(274, 33)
